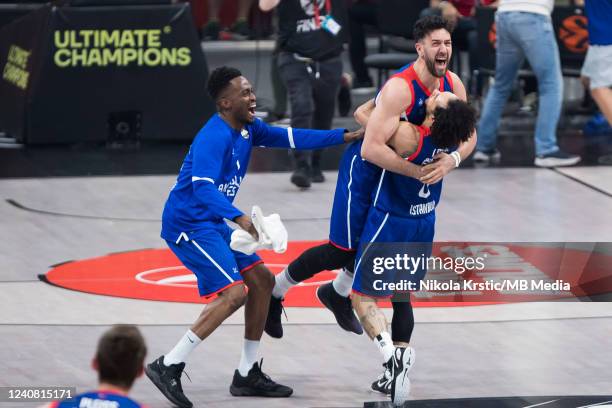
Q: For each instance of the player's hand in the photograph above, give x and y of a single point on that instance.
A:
(352, 136)
(434, 172)
(245, 222)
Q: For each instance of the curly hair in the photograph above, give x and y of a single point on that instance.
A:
(427, 24)
(453, 124)
(219, 79)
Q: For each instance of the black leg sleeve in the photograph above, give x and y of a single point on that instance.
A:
(402, 323)
(317, 259)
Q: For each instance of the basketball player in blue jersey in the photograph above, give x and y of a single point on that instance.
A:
(403, 211)
(416, 82)
(194, 228)
(118, 361)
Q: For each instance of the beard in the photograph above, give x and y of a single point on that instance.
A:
(431, 67)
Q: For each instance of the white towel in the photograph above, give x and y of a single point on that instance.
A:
(272, 234)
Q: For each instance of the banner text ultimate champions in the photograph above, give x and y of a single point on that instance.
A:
(101, 48)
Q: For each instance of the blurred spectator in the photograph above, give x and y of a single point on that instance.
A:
(240, 29)
(597, 68)
(311, 35)
(524, 30)
(361, 13)
(279, 110)
(118, 361)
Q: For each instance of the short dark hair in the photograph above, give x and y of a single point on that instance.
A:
(453, 124)
(427, 24)
(120, 355)
(219, 79)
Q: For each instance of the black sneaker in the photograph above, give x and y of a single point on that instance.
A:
(240, 30)
(316, 175)
(340, 306)
(168, 380)
(402, 361)
(558, 158)
(211, 31)
(383, 383)
(301, 175)
(344, 95)
(257, 384)
(274, 327)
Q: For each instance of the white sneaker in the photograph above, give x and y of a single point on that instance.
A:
(486, 157)
(403, 360)
(558, 158)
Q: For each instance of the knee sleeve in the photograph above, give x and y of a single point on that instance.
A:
(402, 323)
(317, 259)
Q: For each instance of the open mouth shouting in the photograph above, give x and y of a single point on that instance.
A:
(441, 63)
(252, 111)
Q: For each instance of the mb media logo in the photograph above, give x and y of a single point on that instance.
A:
(122, 48)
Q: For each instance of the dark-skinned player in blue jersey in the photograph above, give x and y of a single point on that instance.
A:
(193, 225)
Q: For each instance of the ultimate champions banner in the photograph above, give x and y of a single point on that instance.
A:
(67, 70)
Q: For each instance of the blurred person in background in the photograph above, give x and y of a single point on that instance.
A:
(525, 30)
(311, 36)
(119, 361)
(361, 13)
(597, 68)
(239, 30)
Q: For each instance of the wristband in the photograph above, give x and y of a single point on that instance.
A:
(457, 158)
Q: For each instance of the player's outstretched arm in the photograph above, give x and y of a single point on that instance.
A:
(394, 98)
(300, 139)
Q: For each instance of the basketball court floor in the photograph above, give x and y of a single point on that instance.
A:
(523, 349)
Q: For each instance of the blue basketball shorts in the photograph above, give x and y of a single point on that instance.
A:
(208, 255)
(357, 179)
(393, 249)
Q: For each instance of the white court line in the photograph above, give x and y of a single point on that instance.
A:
(596, 405)
(541, 403)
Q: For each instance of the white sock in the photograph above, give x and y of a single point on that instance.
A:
(343, 283)
(385, 345)
(183, 348)
(282, 283)
(248, 357)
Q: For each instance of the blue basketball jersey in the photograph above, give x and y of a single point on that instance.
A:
(407, 197)
(95, 399)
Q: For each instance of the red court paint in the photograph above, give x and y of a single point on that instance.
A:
(156, 274)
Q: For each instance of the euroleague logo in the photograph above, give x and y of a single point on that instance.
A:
(573, 34)
(156, 274)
